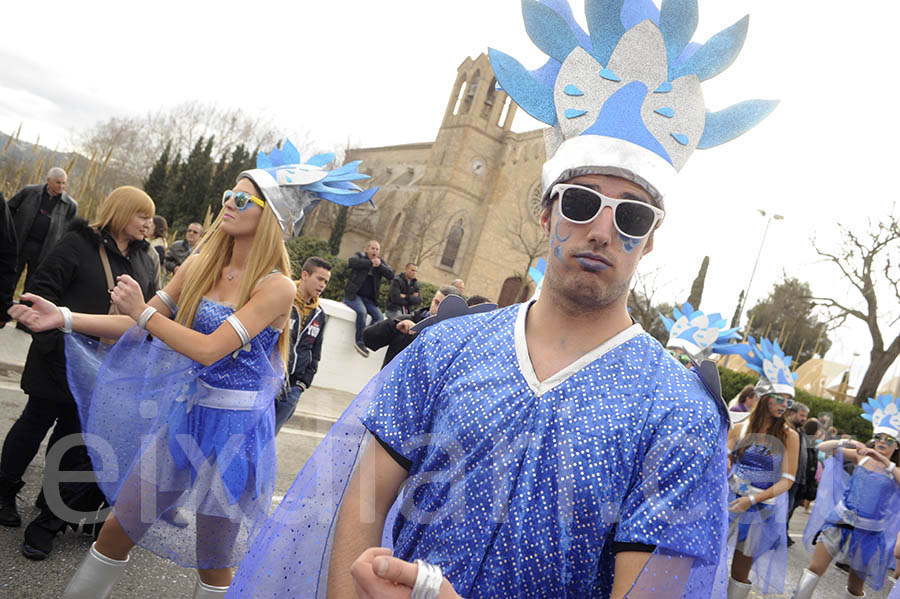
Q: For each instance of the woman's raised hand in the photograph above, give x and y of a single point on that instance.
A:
(128, 297)
(40, 316)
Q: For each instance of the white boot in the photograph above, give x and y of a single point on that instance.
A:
(852, 596)
(207, 591)
(95, 577)
(808, 582)
(738, 590)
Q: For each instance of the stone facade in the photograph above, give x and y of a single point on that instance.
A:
(463, 206)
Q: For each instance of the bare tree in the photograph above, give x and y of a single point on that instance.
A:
(425, 217)
(137, 141)
(642, 304)
(869, 261)
(524, 235)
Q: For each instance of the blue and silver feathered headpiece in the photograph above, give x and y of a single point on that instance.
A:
(699, 334)
(768, 359)
(884, 414)
(624, 98)
(292, 187)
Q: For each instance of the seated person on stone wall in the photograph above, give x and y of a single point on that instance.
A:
(361, 293)
(396, 333)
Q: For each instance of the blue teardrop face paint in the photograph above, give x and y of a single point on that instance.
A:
(629, 243)
(558, 240)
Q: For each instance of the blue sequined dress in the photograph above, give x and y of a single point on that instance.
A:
(761, 531)
(857, 518)
(185, 453)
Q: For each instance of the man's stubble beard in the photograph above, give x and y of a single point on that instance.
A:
(582, 300)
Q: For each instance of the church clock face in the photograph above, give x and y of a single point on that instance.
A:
(478, 166)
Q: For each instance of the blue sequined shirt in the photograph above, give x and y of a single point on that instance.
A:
(525, 487)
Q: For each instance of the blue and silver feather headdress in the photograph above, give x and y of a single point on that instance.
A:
(768, 359)
(884, 414)
(624, 99)
(292, 187)
(699, 334)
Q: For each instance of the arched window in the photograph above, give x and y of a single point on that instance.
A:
(489, 100)
(470, 92)
(459, 97)
(451, 249)
(504, 114)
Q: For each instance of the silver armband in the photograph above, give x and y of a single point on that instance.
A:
(145, 316)
(67, 319)
(428, 581)
(790, 477)
(238, 327)
(168, 301)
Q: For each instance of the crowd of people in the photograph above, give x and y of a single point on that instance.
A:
(550, 448)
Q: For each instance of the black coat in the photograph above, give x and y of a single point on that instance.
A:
(72, 276)
(9, 258)
(24, 207)
(360, 267)
(400, 286)
(306, 346)
(384, 332)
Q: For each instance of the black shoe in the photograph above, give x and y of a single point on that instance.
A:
(362, 349)
(39, 535)
(9, 514)
(790, 541)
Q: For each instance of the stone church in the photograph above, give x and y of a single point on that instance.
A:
(462, 206)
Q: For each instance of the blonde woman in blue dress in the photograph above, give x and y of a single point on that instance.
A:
(186, 413)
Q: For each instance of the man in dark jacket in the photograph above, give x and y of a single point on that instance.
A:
(9, 262)
(180, 250)
(307, 326)
(396, 333)
(73, 276)
(41, 214)
(361, 293)
(404, 295)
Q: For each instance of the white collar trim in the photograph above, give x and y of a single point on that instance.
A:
(527, 369)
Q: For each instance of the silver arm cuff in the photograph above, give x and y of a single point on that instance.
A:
(428, 581)
(238, 327)
(67, 319)
(168, 301)
(145, 316)
(790, 477)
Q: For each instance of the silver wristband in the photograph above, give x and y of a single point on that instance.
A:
(168, 301)
(145, 316)
(67, 319)
(428, 581)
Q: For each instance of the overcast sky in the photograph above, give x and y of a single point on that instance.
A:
(380, 73)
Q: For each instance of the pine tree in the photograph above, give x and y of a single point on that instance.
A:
(337, 231)
(192, 190)
(156, 183)
(697, 286)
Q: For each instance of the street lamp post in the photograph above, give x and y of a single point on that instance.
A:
(756, 263)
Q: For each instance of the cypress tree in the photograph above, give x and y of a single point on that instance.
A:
(697, 286)
(337, 231)
(737, 310)
(156, 184)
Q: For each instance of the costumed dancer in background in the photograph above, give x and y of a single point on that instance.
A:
(185, 420)
(695, 336)
(856, 519)
(550, 448)
(764, 451)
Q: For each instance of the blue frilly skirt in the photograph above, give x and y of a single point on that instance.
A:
(188, 464)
